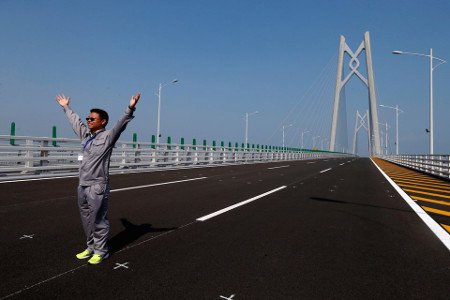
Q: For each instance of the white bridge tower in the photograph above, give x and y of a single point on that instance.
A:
(374, 133)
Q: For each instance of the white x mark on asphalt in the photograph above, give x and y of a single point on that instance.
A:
(27, 236)
(124, 265)
(228, 298)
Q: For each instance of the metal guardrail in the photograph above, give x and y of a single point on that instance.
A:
(30, 157)
(436, 165)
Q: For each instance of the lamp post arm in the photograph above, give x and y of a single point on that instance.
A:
(441, 61)
(395, 108)
(410, 53)
(382, 105)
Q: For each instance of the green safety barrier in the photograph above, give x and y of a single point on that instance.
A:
(13, 134)
(182, 143)
(134, 140)
(54, 136)
(153, 146)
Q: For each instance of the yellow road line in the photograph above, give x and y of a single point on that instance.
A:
(415, 174)
(436, 211)
(431, 201)
(422, 188)
(418, 179)
(444, 188)
(423, 182)
(397, 169)
(446, 227)
(412, 175)
(415, 178)
(411, 178)
(425, 193)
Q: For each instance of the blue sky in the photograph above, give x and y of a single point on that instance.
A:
(231, 57)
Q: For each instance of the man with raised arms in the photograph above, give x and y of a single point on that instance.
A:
(97, 144)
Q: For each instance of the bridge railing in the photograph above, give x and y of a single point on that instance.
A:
(437, 165)
(25, 156)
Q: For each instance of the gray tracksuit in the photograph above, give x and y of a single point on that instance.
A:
(93, 189)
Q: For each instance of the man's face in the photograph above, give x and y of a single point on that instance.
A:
(95, 122)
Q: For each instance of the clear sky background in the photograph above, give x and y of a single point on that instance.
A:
(230, 57)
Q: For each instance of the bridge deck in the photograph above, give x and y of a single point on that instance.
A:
(337, 230)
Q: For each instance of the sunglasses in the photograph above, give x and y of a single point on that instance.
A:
(90, 119)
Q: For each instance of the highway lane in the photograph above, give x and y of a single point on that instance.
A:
(47, 209)
(343, 232)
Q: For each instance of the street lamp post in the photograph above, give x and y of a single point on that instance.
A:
(386, 139)
(161, 85)
(314, 140)
(246, 125)
(284, 127)
(441, 61)
(303, 132)
(386, 136)
(322, 143)
(397, 113)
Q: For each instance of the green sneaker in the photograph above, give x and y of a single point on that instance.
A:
(85, 254)
(97, 258)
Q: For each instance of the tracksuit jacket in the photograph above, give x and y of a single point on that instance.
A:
(96, 148)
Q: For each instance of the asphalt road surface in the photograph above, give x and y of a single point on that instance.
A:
(323, 229)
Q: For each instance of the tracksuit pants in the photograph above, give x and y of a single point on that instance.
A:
(93, 205)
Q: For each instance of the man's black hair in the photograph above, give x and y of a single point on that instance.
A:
(103, 114)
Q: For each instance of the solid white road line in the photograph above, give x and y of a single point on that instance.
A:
(278, 167)
(326, 170)
(37, 179)
(155, 184)
(342, 164)
(219, 212)
(435, 228)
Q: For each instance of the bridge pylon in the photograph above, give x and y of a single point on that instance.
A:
(362, 121)
(354, 63)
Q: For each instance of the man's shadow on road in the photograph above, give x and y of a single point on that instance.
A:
(131, 233)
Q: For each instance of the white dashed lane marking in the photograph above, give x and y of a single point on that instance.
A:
(155, 184)
(219, 212)
(326, 170)
(277, 167)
